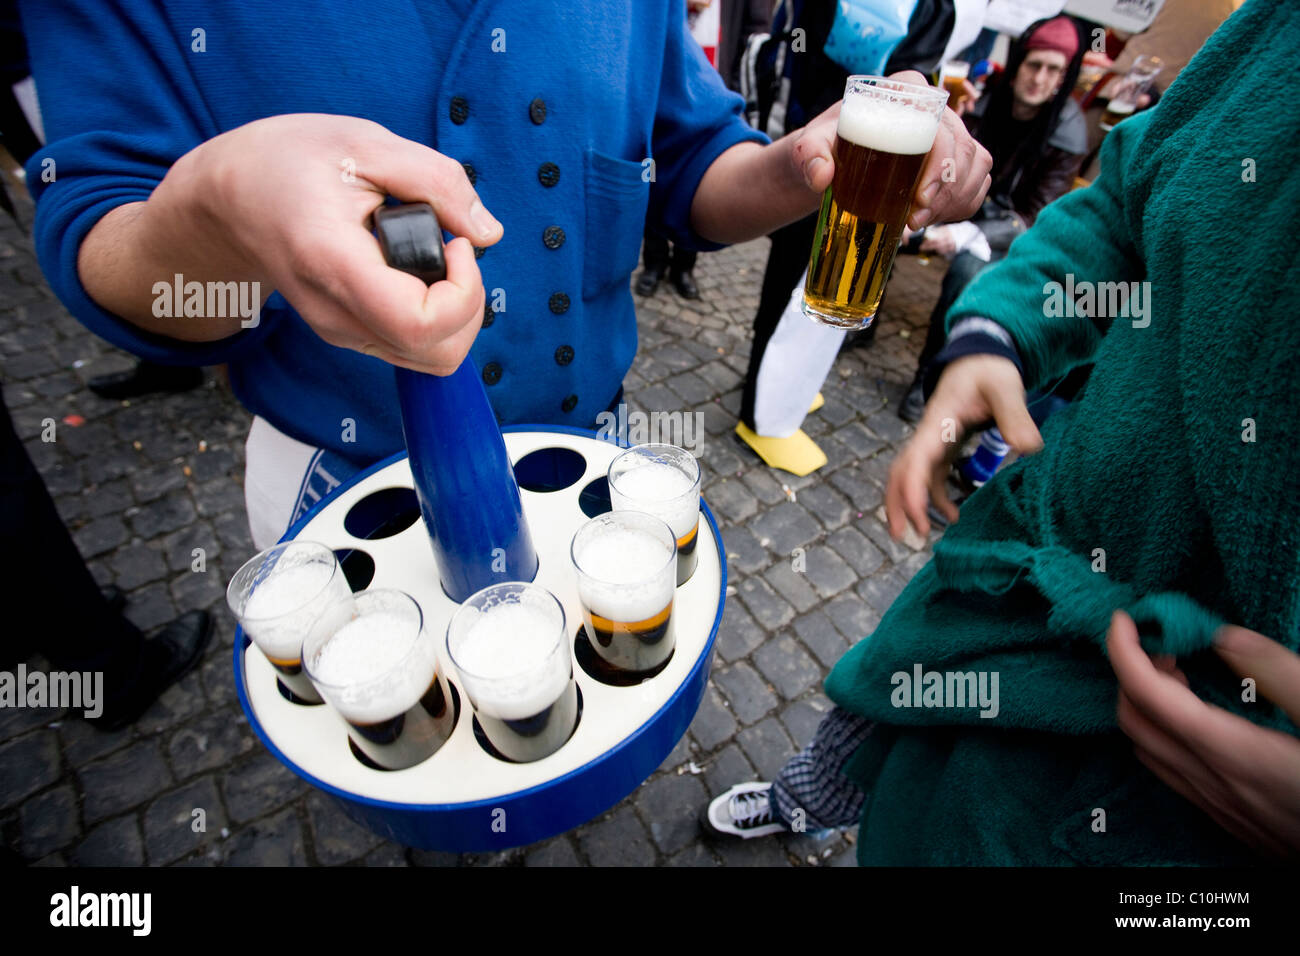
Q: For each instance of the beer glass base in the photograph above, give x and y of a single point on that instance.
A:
(287, 693)
(850, 323)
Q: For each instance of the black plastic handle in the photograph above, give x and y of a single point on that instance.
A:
(411, 240)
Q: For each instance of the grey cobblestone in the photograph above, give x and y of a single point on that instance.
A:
(669, 804)
(858, 550)
(122, 780)
(172, 828)
(787, 525)
(791, 584)
(556, 852)
(274, 841)
(787, 666)
(115, 843)
(821, 637)
(38, 755)
(619, 840)
(828, 572)
(713, 721)
(767, 746)
(768, 608)
(49, 822)
(746, 691)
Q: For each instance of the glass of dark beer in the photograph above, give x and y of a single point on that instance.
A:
(662, 480)
(885, 131)
(626, 563)
(510, 648)
(277, 595)
(373, 662)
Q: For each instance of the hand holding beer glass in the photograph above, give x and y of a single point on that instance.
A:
(886, 129)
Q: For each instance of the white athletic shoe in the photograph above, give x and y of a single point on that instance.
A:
(744, 811)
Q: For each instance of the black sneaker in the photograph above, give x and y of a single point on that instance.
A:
(744, 811)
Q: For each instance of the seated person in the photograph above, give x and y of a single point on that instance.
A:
(1037, 138)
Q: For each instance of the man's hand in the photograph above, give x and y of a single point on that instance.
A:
(938, 240)
(972, 390)
(286, 201)
(1246, 777)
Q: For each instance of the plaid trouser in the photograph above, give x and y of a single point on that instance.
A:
(812, 781)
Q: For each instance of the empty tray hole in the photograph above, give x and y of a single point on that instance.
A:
(358, 567)
(293, 698)
(594, 499)
(382, 514)
(550, 469)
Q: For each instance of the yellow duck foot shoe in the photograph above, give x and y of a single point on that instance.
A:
(797, 454)
(818, 402)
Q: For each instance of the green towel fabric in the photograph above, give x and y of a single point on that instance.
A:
(1150, 471)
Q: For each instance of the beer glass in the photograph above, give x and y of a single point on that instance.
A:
(662, 480)
(1124, 97)
(373, 662)
(626, 563)
(885, 130)
(277, 595)
(952, 77)
(510, 648)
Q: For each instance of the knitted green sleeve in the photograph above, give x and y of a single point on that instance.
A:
(1084, 239)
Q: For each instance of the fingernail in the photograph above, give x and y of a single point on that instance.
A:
(810, 169)
(929, 191)
(482, 221)
(921, 217)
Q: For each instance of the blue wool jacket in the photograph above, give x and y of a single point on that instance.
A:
(594, 87)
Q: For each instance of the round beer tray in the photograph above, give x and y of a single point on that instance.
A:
(463, 798)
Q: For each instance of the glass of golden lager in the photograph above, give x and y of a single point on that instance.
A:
(952, 77)
(662, 480)
(886, 129)
(627, 576)
(511, 649)
(375, 664)
(277, 595)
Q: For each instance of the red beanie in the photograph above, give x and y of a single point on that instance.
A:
(1058, 34)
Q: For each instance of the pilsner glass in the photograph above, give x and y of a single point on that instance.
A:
(952, 77)
(277, 595)
(885, 130)
(510, 648)
(626, 582)
(1128, 90)
(373, 662)
(662, 480)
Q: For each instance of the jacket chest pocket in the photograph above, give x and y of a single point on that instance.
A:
(617, 191)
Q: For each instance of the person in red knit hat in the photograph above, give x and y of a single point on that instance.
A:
(1037, 138)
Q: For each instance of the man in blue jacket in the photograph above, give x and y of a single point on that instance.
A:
(243, 147)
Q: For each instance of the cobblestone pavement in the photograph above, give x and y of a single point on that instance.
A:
(142, 483)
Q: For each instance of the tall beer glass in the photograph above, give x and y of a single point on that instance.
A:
(1126, 93)
(510, 647)
(662, 480)
(626, 563)
(373, 662)
(277, 595)
(885, 130)
(952, 77)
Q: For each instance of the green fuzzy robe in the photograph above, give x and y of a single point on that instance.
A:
(1154, 465)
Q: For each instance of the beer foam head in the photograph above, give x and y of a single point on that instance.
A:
(660, 489)
(375, 666)
(890, 126)
(509, 661)
(282, 605)
(628, 575)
